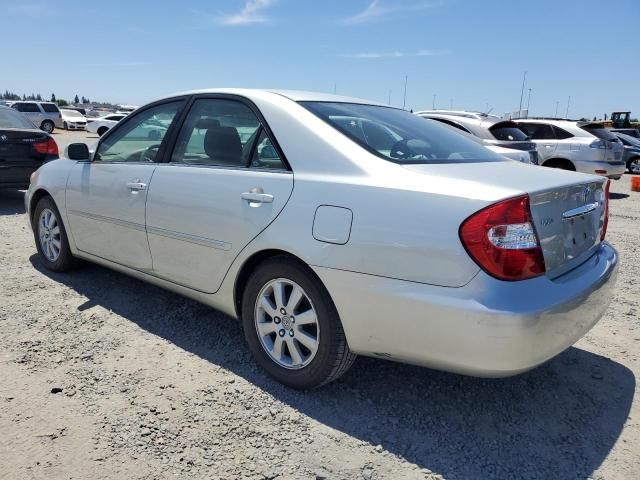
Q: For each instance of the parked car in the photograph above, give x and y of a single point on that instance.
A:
(23, 149)
(632, 132)
(586, 147)
(73, 120)
(631, 156)
(425, 250)
(101, 125)
(490, 129)
(46, 115)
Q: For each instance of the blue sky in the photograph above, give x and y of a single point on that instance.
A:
(469, 52)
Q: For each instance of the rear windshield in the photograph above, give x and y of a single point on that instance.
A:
(12, 119)
(50, 107)
(400, 136)
(600, 132)
(508, 131)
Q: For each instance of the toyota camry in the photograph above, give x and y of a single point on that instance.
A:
(333, 227)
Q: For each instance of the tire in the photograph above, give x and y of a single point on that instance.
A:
(634, 163)
(102, 130)
(47, 126)
(66, 127)
(330, 357)
(560, 163)
(64, 260)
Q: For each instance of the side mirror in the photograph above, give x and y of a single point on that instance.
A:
(78, 151)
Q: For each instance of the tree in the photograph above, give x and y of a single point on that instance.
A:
(76, 100)
(53, 97)
(39, 97)
(62, 102)
(24, 97)
(84, 100)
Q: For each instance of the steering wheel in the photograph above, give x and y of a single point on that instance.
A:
(401, 149)
(149, 155)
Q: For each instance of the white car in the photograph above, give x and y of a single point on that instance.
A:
(101, 125)
(586, 147)
(333, 226)
(73, 120)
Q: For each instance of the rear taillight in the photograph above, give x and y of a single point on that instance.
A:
(605, 221)
(502, 240)
(46, 147)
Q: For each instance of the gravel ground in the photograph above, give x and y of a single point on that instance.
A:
(104, 376)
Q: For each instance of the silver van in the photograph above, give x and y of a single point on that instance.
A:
(46, 115)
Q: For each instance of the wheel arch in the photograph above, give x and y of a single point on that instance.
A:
(250, 265)
(38, 195)
(559, 161)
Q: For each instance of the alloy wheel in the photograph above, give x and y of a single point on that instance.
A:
(49, 235)
(287, 324)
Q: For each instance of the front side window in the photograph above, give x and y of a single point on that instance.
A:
(139, 139)
(224, 133)
(400, 136)
(537, 131)
(27, 107)
(50, 107)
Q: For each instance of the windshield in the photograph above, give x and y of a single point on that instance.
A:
(400, 136)
(10, 118)
(71, 113)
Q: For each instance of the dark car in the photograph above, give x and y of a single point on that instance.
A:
(632, 132)
(631, 155)
(23, 149)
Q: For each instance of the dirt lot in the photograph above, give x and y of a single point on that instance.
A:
(151, 385)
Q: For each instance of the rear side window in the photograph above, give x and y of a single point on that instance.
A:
(452, 124)
(600, 132)
(537, 131)
(50, 107)
(399, 136)
(561, 133)
(27, 107)
(224, 133)
(508, 131)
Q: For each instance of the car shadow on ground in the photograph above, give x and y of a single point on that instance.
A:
(618, 196)
(11, 202)
(558, 421)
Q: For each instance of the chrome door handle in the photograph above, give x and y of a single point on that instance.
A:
(136, 186)
(257, 197)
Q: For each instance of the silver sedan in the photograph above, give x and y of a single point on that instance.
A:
(334, 227)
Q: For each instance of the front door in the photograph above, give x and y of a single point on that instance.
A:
(543, 136)
(225, 183)
(106, 197)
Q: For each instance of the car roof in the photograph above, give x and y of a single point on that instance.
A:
(294, 95)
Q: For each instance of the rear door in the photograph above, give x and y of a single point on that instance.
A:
(226, 181)
(106, 197)
(543, 136)
(31, 111)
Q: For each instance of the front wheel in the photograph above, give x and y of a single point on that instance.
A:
(102, 130)
(51, 237)
(292, 326)
(66, 126)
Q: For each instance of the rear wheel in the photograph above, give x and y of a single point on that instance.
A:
(634, 165)
(66, 127)
(47, 126)
(51, 237)
(292, 326)
(102, 130)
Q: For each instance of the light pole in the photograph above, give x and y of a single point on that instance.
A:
(404, 100)
(433, 105)
(556, 115)
(528, 102)
(524, 78)
(566, 115)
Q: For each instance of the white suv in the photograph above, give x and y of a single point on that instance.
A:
(580, 146)
(45, 115)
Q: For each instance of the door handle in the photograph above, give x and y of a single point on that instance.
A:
(136, 186)
(254, 197)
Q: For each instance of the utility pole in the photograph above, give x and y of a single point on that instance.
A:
(524, 78)
(568, 103)
(404, 100)
(528, 101)
(556, 115)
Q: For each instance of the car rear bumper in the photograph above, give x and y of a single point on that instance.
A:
(606, 169)
(486, 328)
